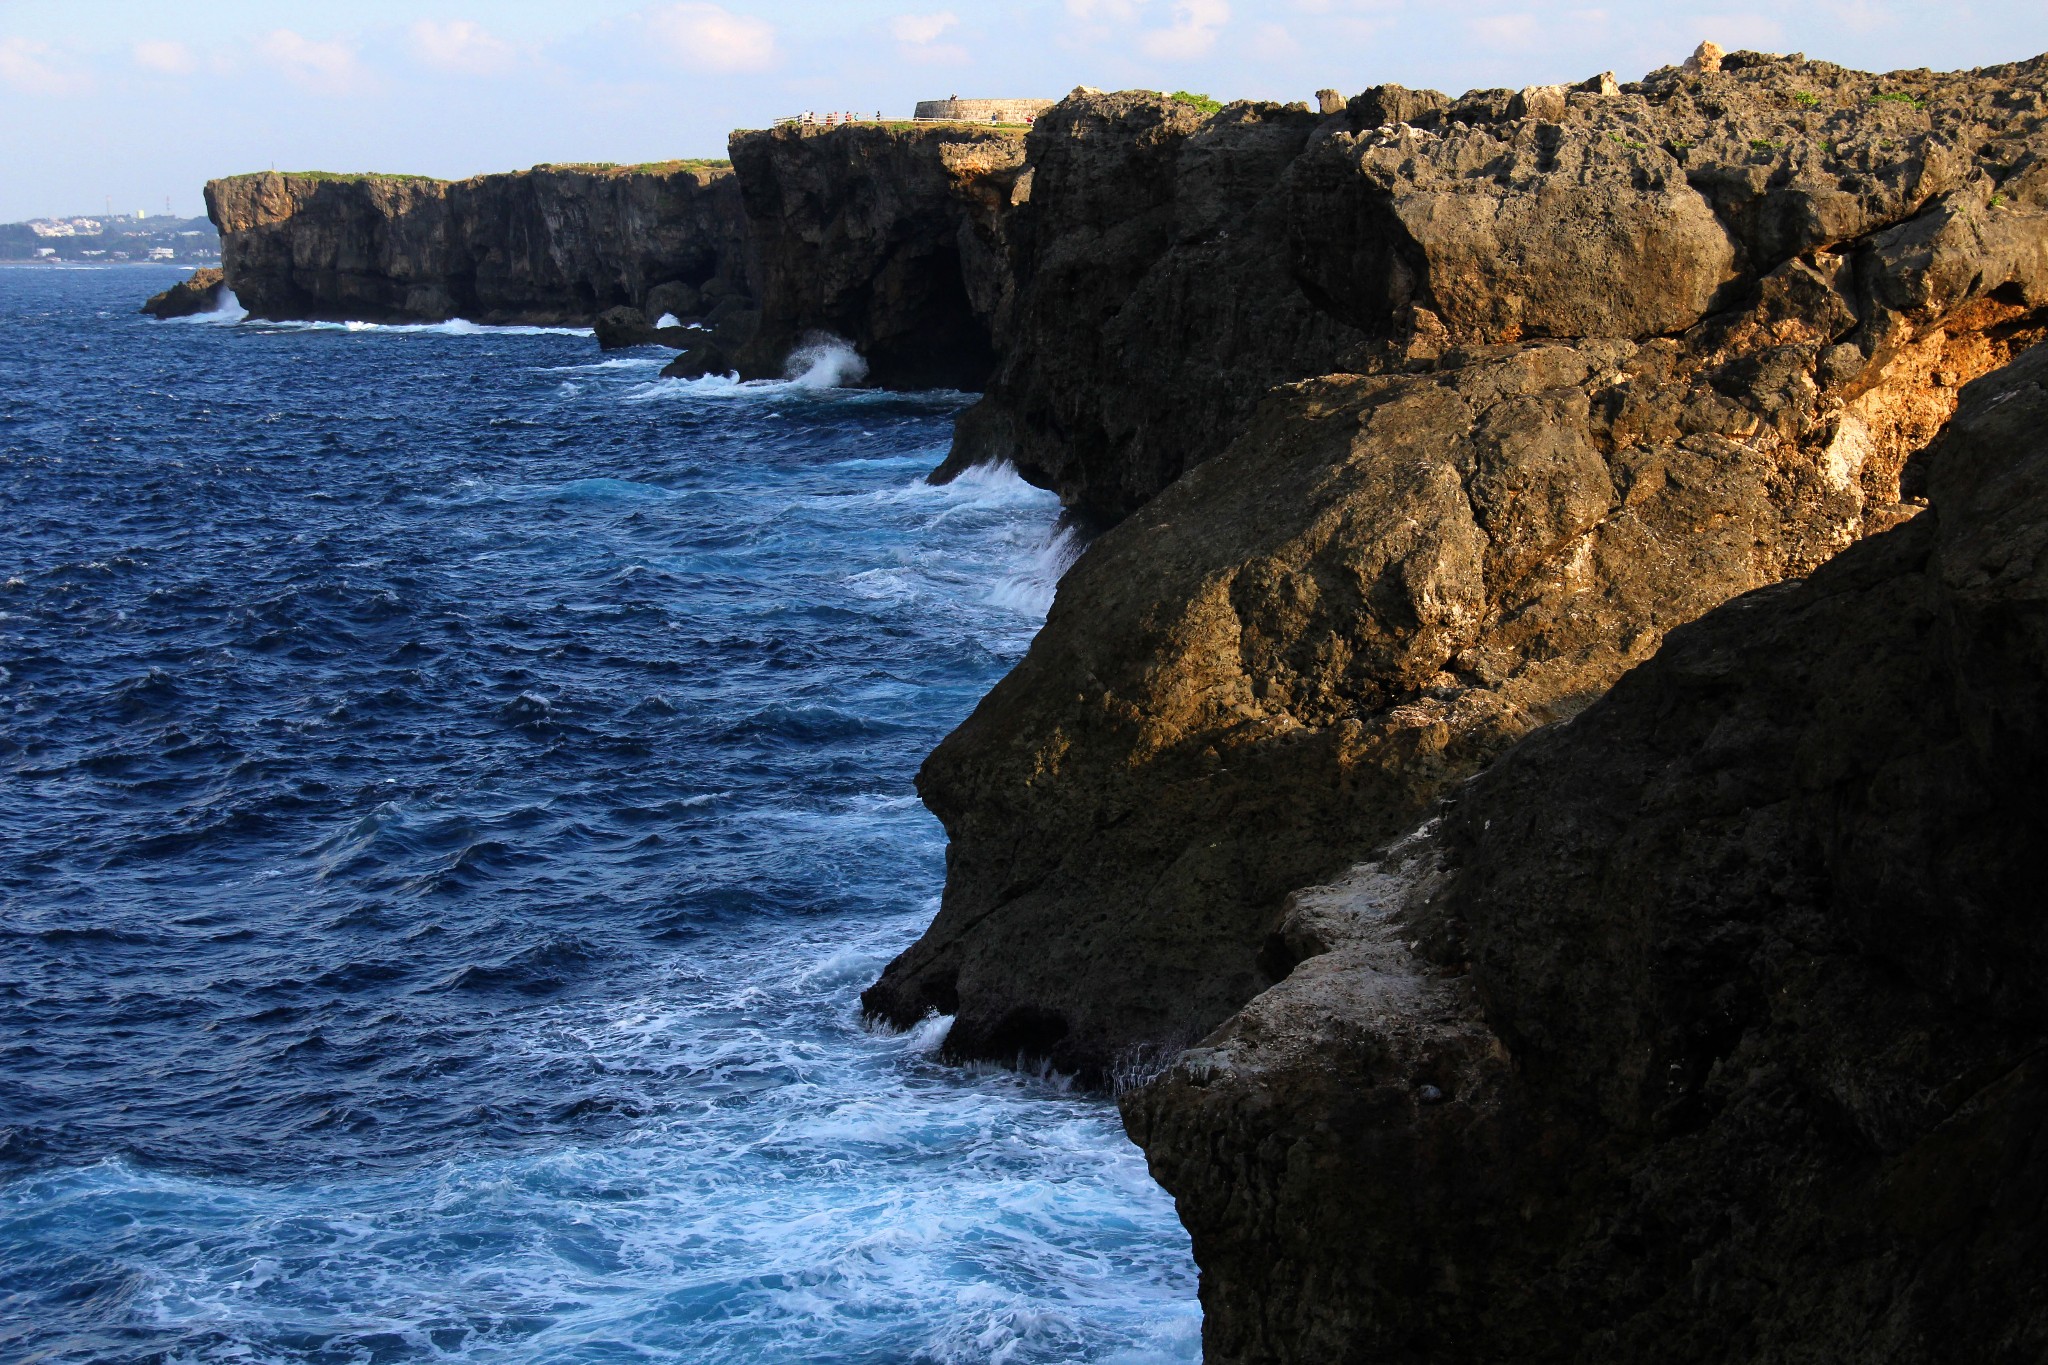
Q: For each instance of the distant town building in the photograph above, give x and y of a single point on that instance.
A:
(983, 111)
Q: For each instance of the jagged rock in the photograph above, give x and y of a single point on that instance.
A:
(1707, 1027)
(1282, 661)
(1705, 59)
(555, 244)
(1286, 656)
(1153, 302)
(1394, 573)
(623, 326)
(618, 328)
(886, 236)
(674, 297)
(197, 293)
(1167, 269)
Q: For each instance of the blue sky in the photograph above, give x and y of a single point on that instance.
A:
(143, 101)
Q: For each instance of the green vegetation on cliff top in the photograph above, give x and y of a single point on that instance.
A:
(692, 163)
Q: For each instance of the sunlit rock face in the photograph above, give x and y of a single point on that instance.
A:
(1509, 476)
(1705, 1027)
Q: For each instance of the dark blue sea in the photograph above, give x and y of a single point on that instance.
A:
(453, 787)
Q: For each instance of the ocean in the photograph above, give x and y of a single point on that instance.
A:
(456, 785)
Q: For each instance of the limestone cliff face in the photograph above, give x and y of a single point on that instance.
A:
(549, 245)
(888, 236)
(1596, 386)
(1170, 268)
(1153, 302)
(1707, 1027)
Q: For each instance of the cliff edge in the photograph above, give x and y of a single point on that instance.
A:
(1170, 267)
(555, 244)
(1707, 1027)
(887, 236)
(1637, 352)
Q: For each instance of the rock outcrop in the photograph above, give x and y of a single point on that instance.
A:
(1169, 268)
(1604, 371)
(556, 244)
(888, 236)
(1153, 302)
(199, 292)
(1706, 1027)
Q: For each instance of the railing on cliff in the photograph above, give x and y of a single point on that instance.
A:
(844, 120)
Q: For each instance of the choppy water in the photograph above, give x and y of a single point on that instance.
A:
(455, 787)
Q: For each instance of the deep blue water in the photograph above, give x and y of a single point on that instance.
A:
(455, 787)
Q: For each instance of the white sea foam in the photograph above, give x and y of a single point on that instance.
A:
(668, 320)
(1031, 590)
(227, 309)
(454, 327)
(824, 361)
(789, 1194)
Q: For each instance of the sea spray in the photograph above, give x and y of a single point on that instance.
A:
(824, 361)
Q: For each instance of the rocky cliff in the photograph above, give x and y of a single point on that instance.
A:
(556, 244)
(1706, 1027)
(889, 236)
(1170, 268)
(1588, 363)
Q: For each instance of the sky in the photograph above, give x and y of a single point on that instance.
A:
(141, 101)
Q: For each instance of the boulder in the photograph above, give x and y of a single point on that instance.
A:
(200, 292)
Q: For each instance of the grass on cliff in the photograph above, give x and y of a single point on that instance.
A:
(687, 163)
(1208, 104)
(338, 175)
(691, 163)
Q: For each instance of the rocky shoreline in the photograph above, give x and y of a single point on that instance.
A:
(552, 245)
(1528, 798)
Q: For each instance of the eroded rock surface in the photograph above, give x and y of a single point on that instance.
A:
(1706, 1027)
(1169, 268)
(887, 236)
(556, 244)
(1393, 573)
(197, 293)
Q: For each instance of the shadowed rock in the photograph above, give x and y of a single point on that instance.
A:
(1707, 1027)
(1393, 573)
(198, 293)
(556, 244)
(888, 236)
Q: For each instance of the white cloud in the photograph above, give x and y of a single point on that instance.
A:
(711, 38)
(462, 46)
(919, 29)
(326, 67)
(1274, 43)
(1192, 33)
(23, 66)
(1862, 16)
(1504, 30)
(917, 38)
(1109, 11)
(1741, 30)
(166, 57)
